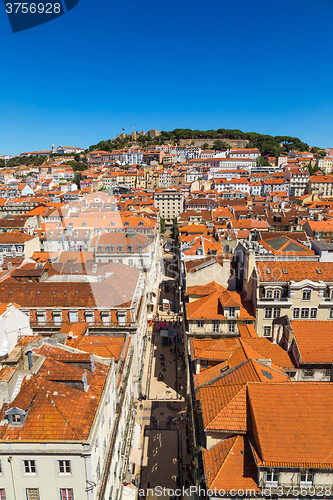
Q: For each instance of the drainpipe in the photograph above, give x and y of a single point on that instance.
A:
(11, 470)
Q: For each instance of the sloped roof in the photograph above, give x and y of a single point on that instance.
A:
(230, 466)
(298, 432)
(314, 341)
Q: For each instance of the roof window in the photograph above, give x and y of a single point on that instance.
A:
(319, 271)
(284, 271)
(268, 271)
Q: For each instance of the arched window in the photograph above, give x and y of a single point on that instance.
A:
(130, 248)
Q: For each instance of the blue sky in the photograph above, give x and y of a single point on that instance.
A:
(258, 66)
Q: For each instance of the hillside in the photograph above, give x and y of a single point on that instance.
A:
(219, 139)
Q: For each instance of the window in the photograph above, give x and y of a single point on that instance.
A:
(73, 316)
(16, 419)
(32, 493)
(0, 469)
(64, 466)
(140, 248)
(29, 466)
(2, 494)
(304, 312)
(276, 294)
(268, 312)
(200, 324)
(276, 312)
(332, 294)
(306, 295)
(267, 331)
(215, 326)
(328, 372)
(99, 248)
(119, 248)
(269, 294)
(66, 494)
(296, 312)
(272, 476)
(41, 317)
(130, 248)
(130, 262)
(306, 476)
(313, 313)
(232, 326)
(232, 312)
(308, 372)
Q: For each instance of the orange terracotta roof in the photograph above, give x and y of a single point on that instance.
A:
(229, 466)
(103, 346)
(298, 432)
(314, 341)
(295, 271)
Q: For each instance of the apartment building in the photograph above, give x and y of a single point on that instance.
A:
(322, 185)
(66, 430)
(170, 203)
(325, 164)
(214, 311)
(296, 289)
(298, 180)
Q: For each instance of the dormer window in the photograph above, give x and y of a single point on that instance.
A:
(15, 416)
(140, 223)
(126, 223)
(306, 295)
(112, 223)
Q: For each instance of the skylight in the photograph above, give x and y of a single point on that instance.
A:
(284, 271)
(268, 271)
(319, 271)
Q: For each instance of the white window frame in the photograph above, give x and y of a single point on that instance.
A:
(308, 473)
(270, 475)
(305, 313)
(276, 312)
(36, 490)
(63, 464)
(67, 497)
(313, 313)
(269, 330)
(200, 324)
(306, 295)
(215, 326)
(296, 312)
(29, 464)
(268, 312)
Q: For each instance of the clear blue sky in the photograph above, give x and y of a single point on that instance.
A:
(258, 66)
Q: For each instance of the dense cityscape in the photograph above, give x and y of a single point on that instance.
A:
(166, 318)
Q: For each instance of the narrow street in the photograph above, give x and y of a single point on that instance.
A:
(163, 414)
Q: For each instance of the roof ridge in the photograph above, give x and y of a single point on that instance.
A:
(232, 401)
(226, 457)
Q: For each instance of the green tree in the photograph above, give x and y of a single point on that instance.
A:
(205, 145)
(78, 177)
(218, 144)
(162, 221)
(262, 161)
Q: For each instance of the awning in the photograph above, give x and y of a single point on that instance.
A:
(135, 456)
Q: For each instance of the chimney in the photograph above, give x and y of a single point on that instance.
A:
(265, 362)
(29, 353)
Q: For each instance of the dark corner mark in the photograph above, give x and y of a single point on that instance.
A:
(32, 13)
